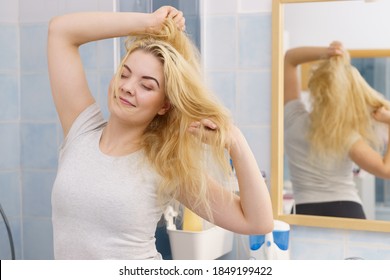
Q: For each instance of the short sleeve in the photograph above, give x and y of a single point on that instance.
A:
(293, 110)
(352, 140)
(90, 119)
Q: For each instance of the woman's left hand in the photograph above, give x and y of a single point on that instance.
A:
(209, 129)
(208, 126)
(382, 115)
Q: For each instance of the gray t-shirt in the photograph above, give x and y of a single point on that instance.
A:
(314, 180)
(104, 207)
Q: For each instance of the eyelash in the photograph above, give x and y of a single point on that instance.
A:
(144, 86)
(147, 88)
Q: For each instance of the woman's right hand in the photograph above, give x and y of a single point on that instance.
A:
(164, 12)
(382, 115)
(334, 49)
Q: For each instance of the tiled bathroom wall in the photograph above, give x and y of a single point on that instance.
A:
(236, 48)
(29, 128)
(236, 51)
(10, 167)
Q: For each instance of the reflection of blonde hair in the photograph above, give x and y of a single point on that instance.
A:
(178, 156)
(342, 103)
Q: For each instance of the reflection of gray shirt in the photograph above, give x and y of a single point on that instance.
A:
(313, 180)
(104, 207)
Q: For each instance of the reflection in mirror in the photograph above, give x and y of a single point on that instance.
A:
(282, 41)
(374, 66)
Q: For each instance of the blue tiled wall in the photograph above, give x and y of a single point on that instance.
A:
(10, 170)
(29, 128)
(237, 65)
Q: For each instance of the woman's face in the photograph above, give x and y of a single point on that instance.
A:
(140, 95)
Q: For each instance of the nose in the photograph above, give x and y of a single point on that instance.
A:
(128, 88)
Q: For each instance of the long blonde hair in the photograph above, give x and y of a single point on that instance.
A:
(178, 156)
(342, 105)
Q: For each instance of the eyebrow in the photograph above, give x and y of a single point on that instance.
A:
(143, 77)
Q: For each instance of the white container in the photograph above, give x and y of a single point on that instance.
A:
(273, 245)
(208, 244)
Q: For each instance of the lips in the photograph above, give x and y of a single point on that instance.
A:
(126, 102)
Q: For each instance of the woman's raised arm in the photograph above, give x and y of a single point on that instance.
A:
(67, 33)
(299, 55)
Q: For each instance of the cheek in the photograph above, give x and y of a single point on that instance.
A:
(159, 101)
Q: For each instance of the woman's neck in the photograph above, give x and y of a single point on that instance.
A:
(120, 140)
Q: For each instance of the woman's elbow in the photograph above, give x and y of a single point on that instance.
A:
(264, 226)
(386, 175)
(57, 25)
(53, 23)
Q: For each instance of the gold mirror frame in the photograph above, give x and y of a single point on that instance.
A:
(277, 148)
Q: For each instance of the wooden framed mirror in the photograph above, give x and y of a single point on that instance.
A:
(277, 160)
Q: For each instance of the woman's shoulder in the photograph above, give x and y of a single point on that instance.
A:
(295, 105)
(293, 110)
(89, 120)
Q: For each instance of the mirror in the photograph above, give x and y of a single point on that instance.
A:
(319, 31)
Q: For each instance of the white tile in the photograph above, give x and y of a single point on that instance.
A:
(9, 145)
(8, 11)
(254, 6)
(9, 105)
(218, 7)
(315, 250)
(9, 46)
(37, 10)
(220, 45)
(258, 137)
(81, 6)
(253, 98)
(106, 5)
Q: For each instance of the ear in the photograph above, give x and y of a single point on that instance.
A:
(165, 108)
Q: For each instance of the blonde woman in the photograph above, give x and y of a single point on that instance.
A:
(116, 177)
(324, 140)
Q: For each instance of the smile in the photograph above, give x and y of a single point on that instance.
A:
(125, 102)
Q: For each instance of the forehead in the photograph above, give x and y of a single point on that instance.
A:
(143, 62)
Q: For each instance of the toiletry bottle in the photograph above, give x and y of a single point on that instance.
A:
(191, 221)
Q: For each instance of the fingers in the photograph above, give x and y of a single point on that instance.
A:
(181, 24)
(335, 48)
(194, 127)
(209, 132)
(382, 115)
(173, 12)
(206, 123)
(333, 51)
(336, 44)
(178, 17)
(168, 12)
(377, 112)
(208, 127)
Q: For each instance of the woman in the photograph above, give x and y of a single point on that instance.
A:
(323, 142)
(115, 178)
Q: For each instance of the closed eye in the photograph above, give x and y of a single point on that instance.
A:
(147, 88)
(125, 72)
(147, 78)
